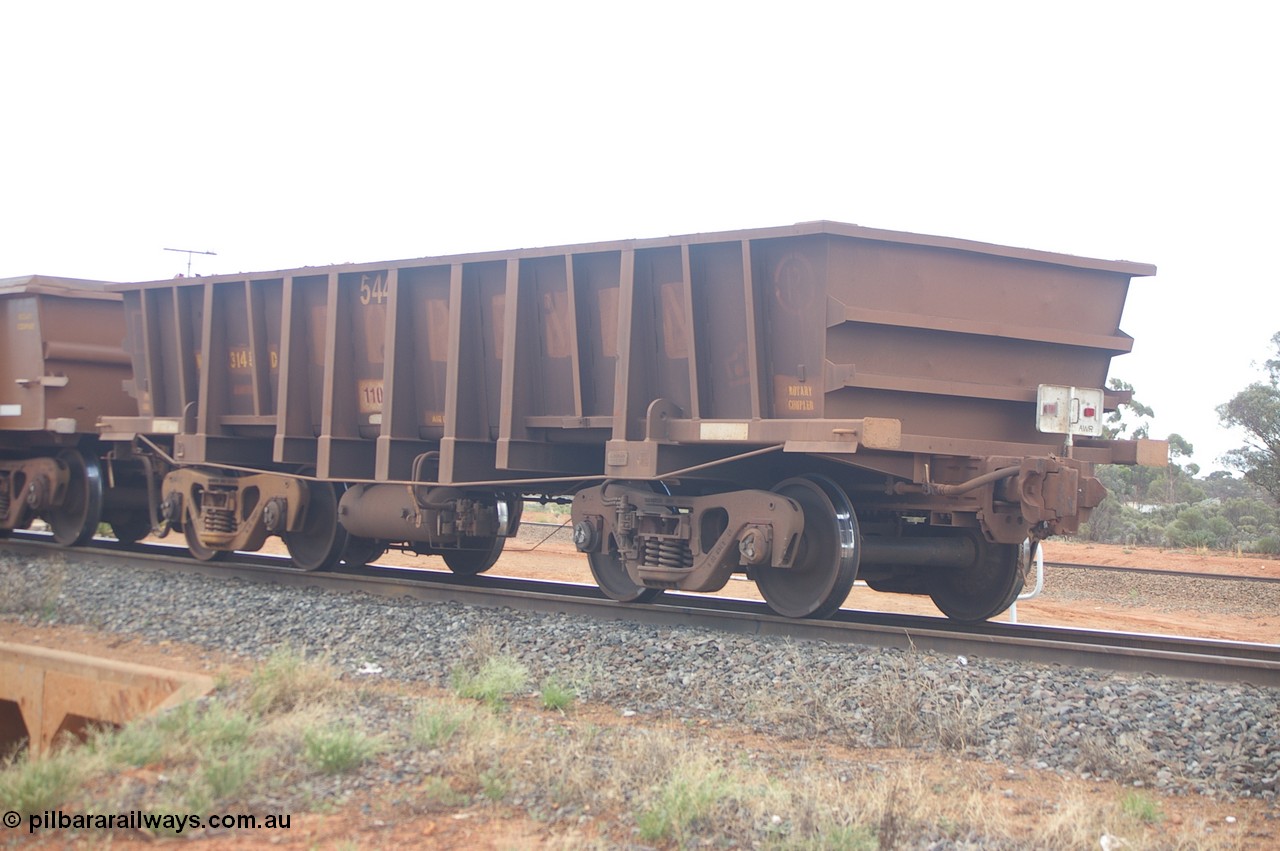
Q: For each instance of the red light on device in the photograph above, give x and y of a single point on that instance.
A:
(1049, 410)
(1090, 411)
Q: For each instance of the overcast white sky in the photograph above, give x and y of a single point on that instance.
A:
(286, 134)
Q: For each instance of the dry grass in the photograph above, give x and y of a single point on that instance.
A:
(902, 705)
(288, 680)
(1026, 735)
(895, 700)
(604, 784)
(1125, 758)
(958, 718)
(815, 706)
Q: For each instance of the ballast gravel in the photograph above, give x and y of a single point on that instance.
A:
(1178, 735)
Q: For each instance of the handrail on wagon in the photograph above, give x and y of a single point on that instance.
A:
(1024, 558)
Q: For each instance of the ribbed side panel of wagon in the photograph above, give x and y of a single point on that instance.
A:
(355, 371)
(669, 352)
(206, 358)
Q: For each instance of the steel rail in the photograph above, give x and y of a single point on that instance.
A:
(1180, 658)
(1068, 565)
(1157, 571)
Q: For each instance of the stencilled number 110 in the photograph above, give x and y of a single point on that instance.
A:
(373, 288)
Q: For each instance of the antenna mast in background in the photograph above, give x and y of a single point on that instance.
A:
(189, 252)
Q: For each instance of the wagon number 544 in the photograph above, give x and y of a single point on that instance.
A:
(373, 289)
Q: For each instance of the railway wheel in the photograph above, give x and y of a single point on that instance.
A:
(130, 530)
(361, 551)
(611, 575)
(76, 519)
(477, 556)
(981, 590)
(320, 543)
(826, 562)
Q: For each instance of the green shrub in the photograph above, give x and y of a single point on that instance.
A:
(689, 795)
(1142, 807)
(227, 775)
(30, 787)
(497, 679)
(494, 784)
(435, 725)
(338, 748)
(555, 696)
(288, 680)
(1269, 545)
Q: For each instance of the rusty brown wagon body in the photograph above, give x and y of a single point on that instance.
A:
(801, 403)
(62, 366)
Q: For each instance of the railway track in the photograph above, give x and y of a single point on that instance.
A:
(1155, 571)
(553, 528)
(1183, 658)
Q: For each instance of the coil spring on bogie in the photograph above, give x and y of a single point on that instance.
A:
(665, 552)
(4, 497)
(219, 519)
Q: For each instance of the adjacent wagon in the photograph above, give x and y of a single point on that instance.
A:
(62, 368)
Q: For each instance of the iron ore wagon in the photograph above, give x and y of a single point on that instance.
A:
(61, 369)
(804, 404)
